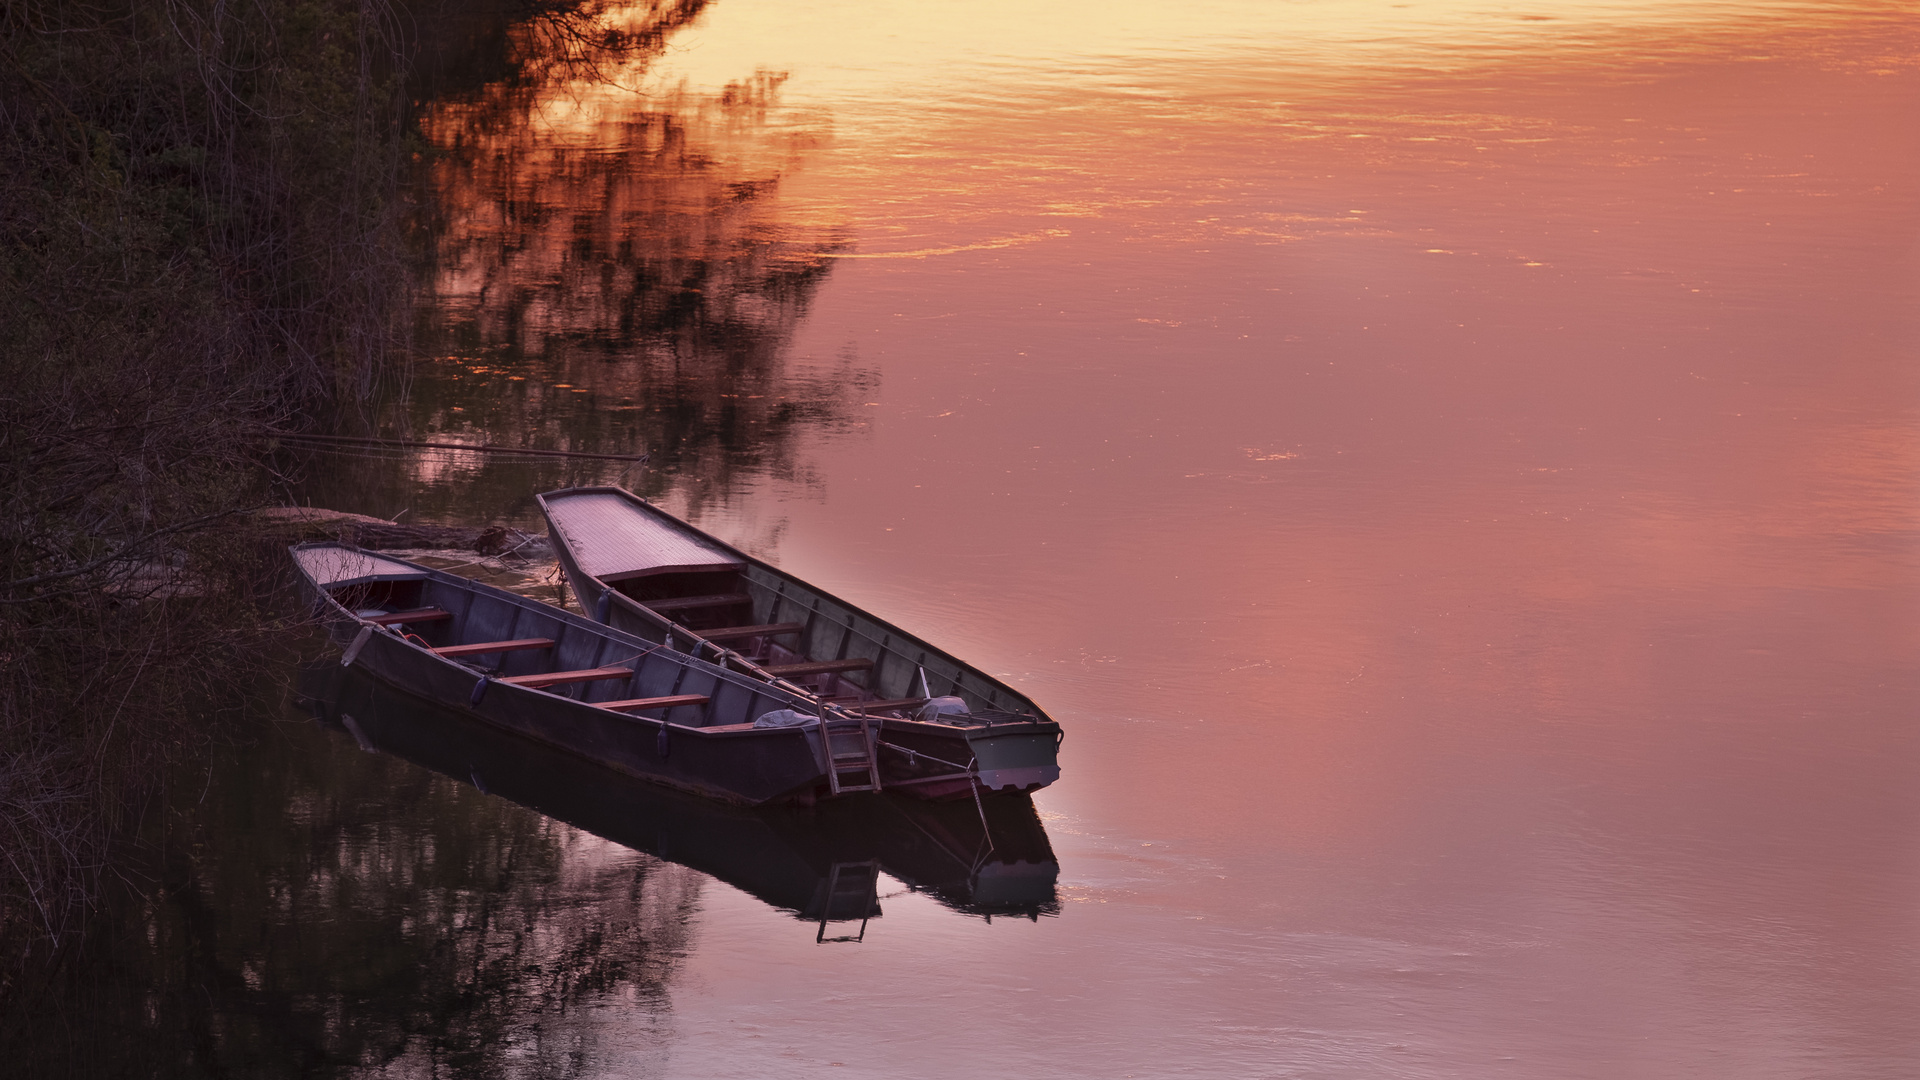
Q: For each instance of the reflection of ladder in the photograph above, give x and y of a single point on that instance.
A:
(852, 893)
(848, 741)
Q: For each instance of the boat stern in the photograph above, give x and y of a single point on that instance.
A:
(1018, 760)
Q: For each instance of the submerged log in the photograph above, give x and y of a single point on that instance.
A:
(295, 524)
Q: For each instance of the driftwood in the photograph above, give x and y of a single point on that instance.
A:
(295, 524)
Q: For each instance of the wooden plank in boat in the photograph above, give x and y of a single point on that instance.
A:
(819, 667)
(480, 648)
(889, 703)
(614, 540)
(556, 678)
(735, 633)
(688, 603)
(667, 702)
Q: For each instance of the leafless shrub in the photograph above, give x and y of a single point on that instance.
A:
(199, 242)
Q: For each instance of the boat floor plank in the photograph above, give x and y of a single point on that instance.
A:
(819, 667)
(888, 703)
(734, 633)
(686, 603)
(481, 647)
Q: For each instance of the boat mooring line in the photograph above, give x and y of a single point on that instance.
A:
(986, 829)
(968, 769)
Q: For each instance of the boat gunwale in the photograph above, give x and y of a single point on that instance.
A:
(602, 630)
(655, 571)
(563, 550)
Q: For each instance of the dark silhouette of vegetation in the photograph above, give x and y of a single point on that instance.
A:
(199, 242)
(310, 910)
(210, 233)
(202, 241)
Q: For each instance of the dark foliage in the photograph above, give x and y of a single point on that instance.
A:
(310, 910)
(203, 240)
(198, 243)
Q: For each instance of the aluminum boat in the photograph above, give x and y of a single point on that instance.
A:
(947, 729)
(635, 706)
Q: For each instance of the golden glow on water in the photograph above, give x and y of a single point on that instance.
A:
(873, 49)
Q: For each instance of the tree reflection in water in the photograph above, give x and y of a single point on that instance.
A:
(611, 271)
(312, 909)
(323, 911)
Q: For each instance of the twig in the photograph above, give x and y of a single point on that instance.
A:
(119, 555)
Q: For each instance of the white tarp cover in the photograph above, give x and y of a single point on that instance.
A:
(333, 567)
(612, 539)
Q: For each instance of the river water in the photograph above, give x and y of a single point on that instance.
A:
(1451, 467)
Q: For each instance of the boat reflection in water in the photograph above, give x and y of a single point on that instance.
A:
(822, 864)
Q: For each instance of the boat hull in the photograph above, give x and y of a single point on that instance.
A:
(997, 864)
(744, 767)
(735, 763)
(1014, 750)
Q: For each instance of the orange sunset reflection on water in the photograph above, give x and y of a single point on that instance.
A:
(1451, 467)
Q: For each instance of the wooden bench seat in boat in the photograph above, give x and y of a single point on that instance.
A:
(818, 667)
(689, 603)
(542, 680)
(667, 702)
(481, 647)
(877, 706)
(735, 633)
(418, 615)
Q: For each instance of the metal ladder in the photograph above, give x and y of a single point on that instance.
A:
(849, 745)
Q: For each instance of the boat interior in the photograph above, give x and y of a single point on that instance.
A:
(680, 580)
(522, 642)
(834, 652)
(718, 605)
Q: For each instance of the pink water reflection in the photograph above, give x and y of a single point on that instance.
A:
(1462, 505)
(1452, 469)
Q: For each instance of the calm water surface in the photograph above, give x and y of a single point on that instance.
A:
(1451, 467)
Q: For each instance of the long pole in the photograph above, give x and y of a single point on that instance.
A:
(357, 440)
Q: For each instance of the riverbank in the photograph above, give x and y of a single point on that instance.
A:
(202, 241)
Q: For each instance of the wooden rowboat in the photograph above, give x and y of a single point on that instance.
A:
(632, 705)
(947, 728)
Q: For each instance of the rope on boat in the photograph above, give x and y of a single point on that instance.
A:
(911, 754)
(986, 829)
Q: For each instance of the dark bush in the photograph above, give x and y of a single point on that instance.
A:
(200, 242)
